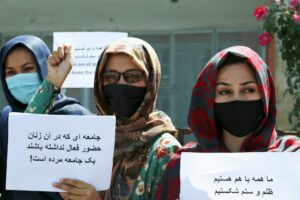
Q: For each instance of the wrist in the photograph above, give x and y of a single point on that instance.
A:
(53, 82)
(51, 86)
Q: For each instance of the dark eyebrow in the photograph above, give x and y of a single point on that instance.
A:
(8, 68)
(228, 84)
(248, 82)
(223, 83)
(105, 71)
(28, 63)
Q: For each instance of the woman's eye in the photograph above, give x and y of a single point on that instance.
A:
(224, 92)
(28, 69)
(9, 73)
(249, 90)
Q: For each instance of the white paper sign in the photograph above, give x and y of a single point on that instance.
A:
(86, 50)
(45, 148)
(227, 176)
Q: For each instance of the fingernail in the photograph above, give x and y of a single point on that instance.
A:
(61, 180)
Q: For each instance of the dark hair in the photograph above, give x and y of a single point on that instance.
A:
(234, 59)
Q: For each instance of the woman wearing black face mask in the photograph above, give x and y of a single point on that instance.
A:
(233, 109)
(238, 105)
(126, 83)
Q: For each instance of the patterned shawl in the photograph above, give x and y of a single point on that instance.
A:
(202, 121)
(133, 135)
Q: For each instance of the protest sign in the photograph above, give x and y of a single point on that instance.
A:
(45, 148)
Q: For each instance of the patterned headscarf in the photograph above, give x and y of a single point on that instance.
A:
(201, 116)
(202, 121)
(134, 135)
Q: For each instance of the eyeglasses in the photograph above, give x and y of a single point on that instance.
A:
(130, 76)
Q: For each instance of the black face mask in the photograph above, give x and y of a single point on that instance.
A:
(239, 117)
(124, 100)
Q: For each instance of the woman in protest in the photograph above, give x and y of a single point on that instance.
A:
(233, 109)
(23, 67)
(126, 82)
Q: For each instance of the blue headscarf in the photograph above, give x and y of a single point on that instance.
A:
(63, 105)
(40, 53)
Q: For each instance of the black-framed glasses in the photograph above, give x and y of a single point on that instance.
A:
(130, 76)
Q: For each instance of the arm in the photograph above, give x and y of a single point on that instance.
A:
(169, 186)
(42, 99)
(59, 66)
(151, 173)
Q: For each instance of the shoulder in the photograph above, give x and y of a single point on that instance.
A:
(68, 106)
(6, 109)
(5, 112)
(286, 144)
(165, 144)
(167, 139)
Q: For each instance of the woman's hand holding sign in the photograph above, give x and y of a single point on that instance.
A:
(76, 190)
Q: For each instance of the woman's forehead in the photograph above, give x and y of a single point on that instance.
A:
(18, 55)
(236, 73)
